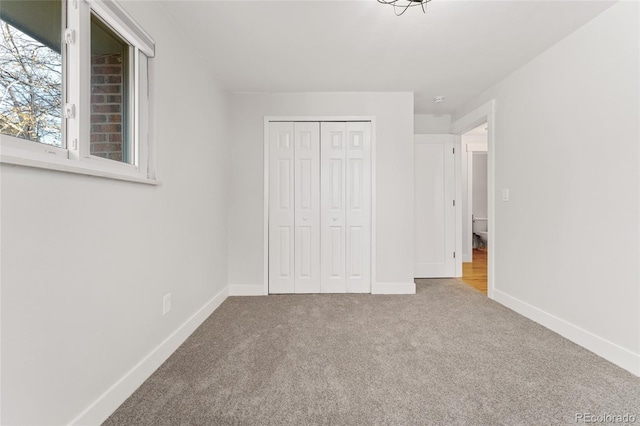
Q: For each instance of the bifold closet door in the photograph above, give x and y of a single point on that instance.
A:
(345, 220)
(294, 207)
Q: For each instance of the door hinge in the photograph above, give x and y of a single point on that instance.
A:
(454, 151)
(454, 203)
(69, 36)
(454, 254)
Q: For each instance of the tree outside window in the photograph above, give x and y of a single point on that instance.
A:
(30, 84)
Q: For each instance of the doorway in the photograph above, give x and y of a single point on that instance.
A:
(475, 231)
(482, 117)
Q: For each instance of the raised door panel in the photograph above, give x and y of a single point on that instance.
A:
(434, 188)
(333, 200)
(358, 207)
(307, 207)
(281, 208)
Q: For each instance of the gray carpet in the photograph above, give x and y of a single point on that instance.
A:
(447, 355)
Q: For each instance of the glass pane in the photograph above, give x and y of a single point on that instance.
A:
(109, 94)
(31, 70)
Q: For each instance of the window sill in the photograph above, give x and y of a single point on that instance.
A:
(70, 166)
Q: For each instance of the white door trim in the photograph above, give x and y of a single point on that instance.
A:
(482, 114)
(265, 209)
(457, 175)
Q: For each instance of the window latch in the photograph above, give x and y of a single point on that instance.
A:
(69, 111)
(69, 36)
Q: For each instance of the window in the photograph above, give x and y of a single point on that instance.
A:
(74, 88)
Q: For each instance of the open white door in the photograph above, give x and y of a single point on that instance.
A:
(435, 211)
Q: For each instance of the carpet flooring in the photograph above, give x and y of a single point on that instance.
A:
(444, 356)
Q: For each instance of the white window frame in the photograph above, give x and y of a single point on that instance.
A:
(75, 155)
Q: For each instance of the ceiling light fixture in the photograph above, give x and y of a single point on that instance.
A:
(401, 6)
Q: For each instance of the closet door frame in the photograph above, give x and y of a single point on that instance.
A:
(265, 156)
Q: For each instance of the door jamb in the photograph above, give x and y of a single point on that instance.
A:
(484, 113)
(265, 211)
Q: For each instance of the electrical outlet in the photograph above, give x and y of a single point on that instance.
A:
(166, 303)
(505, 194)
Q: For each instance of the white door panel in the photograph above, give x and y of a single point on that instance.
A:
(307, 210)
(281, 208)
(358, 208)
(434, 207)
(332, 221)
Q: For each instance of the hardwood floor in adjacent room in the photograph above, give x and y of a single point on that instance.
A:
(475, 273)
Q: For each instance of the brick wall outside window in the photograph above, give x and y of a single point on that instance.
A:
(106, 106)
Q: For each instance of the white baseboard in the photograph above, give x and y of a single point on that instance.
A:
(393, 288)
(379, 288)
(246, 290)
(610, 351)
(109, 401)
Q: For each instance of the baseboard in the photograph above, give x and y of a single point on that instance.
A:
(246, 290)
(393, 288)
(608, 350)
(110, 400)
(379, 288)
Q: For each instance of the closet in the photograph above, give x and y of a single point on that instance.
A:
(319, 207)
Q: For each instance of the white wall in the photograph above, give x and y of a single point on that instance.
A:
(431, 124)
(479, 185)
(567, 132)
(394, 147)
(86, 261)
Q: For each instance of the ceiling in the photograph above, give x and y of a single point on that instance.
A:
(457, 49)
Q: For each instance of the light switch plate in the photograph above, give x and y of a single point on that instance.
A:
(166, 303)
